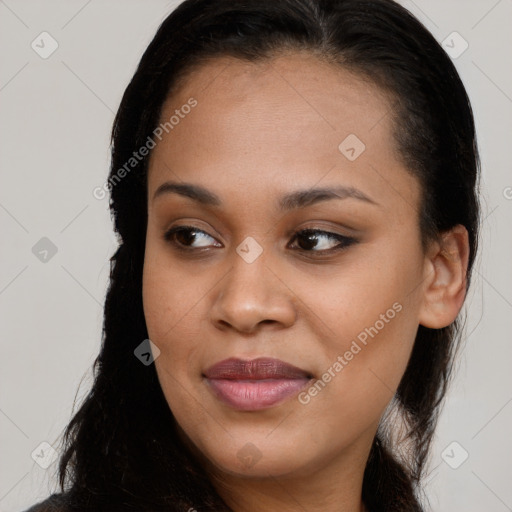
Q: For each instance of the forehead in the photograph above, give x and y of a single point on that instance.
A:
(291, 120)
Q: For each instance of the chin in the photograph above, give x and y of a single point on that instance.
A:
(256, 465)
(260, 456)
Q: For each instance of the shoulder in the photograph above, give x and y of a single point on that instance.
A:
(54, 503)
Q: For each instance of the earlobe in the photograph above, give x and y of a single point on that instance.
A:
(446, 265)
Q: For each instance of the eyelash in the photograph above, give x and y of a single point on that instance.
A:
(344, 241)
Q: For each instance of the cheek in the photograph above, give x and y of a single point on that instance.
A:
(362, 370)
(172, 309)
(368, 316)
(354, 296)
(171, 296)
(173, 304)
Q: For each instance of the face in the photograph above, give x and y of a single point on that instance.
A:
(287, 232)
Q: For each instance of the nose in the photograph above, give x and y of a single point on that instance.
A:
(253, 295)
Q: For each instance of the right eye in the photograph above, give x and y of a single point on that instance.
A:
(183, 238)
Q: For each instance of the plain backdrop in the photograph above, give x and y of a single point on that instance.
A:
(56, 116)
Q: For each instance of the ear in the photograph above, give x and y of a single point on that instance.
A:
(445, 282)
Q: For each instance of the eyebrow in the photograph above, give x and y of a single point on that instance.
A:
(294, 200)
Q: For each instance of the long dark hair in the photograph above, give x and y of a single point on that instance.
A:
(121, 447)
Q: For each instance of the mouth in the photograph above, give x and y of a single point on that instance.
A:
(256, 384)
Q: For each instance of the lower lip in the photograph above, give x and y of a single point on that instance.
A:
(253, 395)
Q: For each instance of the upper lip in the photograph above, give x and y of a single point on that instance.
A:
(255, 369)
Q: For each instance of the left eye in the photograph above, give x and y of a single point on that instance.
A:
(320, 241)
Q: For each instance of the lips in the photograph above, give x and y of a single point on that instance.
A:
(255, 384)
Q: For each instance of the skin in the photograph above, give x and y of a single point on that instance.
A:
(259, 131)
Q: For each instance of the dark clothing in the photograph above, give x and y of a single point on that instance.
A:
(51, 504)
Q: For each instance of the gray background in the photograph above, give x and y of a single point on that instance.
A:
(56, 115)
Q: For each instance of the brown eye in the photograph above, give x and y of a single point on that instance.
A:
(186, 236)
(314, 240)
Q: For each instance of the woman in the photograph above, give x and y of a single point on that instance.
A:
(294, 184)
